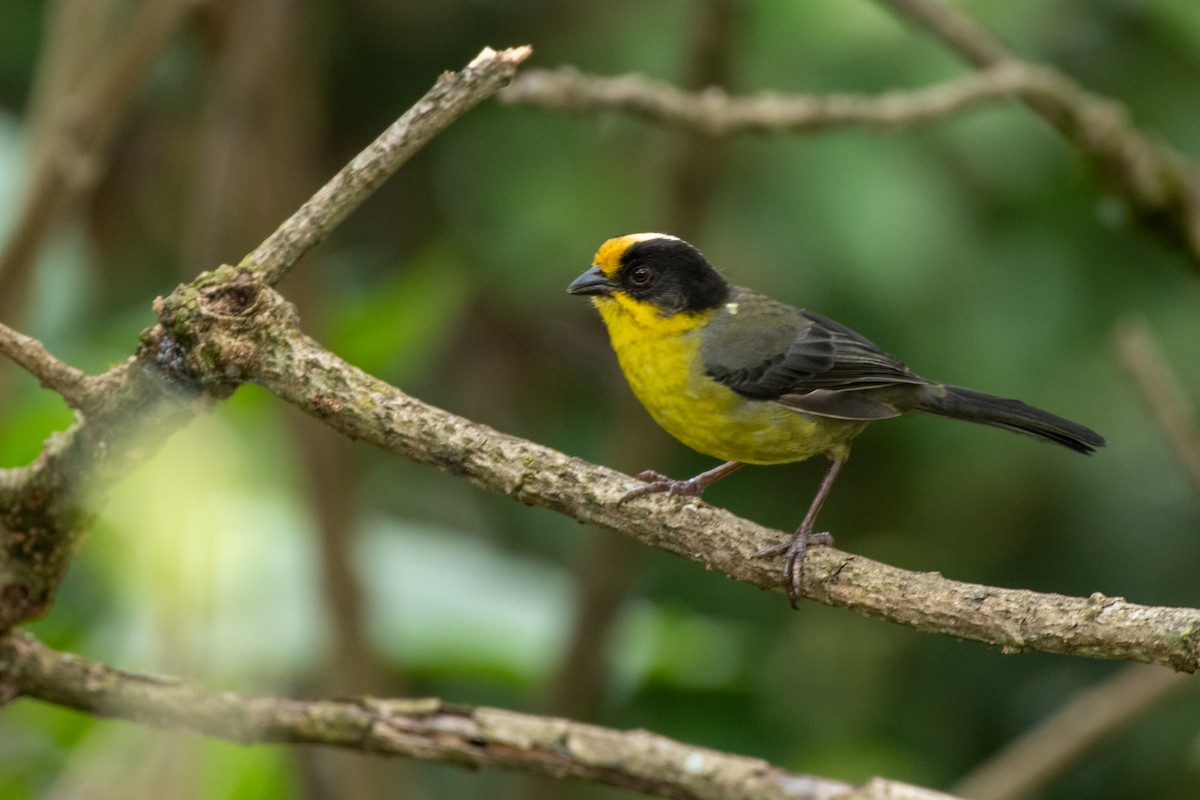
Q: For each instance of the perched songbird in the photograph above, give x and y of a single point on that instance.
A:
(749, 380)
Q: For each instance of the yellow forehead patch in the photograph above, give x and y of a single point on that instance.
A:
(608, 257)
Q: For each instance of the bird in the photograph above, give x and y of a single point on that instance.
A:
(747, 379)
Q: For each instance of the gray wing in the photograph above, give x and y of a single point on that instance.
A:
(802, 360)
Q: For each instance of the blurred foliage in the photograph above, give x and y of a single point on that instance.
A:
(978, 249)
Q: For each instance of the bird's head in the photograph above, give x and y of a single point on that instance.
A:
(654, 270)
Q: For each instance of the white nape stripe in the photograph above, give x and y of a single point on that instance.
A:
(645, 237)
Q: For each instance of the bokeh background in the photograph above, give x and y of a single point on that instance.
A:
(258, 552)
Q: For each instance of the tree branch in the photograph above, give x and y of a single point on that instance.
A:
(51, 373)
(44, 506)
(1162, 393)
(451, 97)
(961, 32)
(1161, 187)
(229, 326)
(1024, 767)
(243, 328)
(715, 113)
(425, 729)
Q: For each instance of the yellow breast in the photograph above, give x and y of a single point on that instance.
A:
(660, 359)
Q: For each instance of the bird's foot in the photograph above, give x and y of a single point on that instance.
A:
(794, 551)
(692, 487)
(655, 482)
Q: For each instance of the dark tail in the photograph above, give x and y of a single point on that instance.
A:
(1013, 415)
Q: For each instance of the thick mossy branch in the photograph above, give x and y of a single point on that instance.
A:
(45, 507)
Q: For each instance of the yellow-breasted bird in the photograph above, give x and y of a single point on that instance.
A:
(749, 380)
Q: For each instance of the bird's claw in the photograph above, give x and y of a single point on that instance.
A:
(794, 550)
(692, 487)
(655, 482)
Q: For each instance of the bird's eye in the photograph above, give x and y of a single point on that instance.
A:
(640, 276)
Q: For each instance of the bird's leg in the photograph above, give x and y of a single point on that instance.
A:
(692, 487)
(795, 549)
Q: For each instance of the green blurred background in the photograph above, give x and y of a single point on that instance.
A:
(260, 553)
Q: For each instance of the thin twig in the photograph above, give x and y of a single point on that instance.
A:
(1027, 765)
(425, 729)
(962, 32)
(713, 112)
(51, 373)
(1162, 393)
(452, 96)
